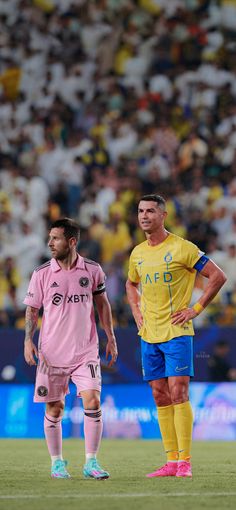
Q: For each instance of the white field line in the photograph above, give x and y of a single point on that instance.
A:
(124, 495)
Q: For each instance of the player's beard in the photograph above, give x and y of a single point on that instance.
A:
(63, 255)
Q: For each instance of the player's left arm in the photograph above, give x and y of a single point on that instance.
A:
(105, 316)
(216, 279)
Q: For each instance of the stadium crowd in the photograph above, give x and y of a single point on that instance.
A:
(100, 103)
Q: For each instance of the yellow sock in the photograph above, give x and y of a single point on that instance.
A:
(183, 419)
(167, 428)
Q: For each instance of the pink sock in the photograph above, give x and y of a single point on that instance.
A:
(92, 429)
(53, 434)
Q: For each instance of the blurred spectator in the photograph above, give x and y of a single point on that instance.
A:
(192, 148)
(116, 238)
(61, 199)
(219, 367)
(89, 248)
(199, 231)
(228, 265)
(104, 101)
(214, 252)
(28, 249)
(9, 282)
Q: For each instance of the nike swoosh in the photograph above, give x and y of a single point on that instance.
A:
(180, 369)
(141, 261)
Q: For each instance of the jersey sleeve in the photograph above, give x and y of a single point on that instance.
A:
(191, 254)
(34, 296)
(132, 272)
(99, 281)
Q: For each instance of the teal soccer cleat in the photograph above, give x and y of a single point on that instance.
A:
(93, 470)
(59, 469)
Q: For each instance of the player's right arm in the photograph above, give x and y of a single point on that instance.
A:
(132, 290)
(134, 299)
(31, 321)
(33, 302)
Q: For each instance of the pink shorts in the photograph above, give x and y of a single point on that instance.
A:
(52, 383)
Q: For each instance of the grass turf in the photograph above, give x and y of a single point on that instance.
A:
(25, 481)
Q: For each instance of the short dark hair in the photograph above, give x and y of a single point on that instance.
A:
(154, 198)
(70, 227)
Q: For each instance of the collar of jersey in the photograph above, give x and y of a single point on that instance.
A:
(79, 264)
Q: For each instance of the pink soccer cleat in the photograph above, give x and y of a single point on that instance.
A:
(184, 469)
(169, 469)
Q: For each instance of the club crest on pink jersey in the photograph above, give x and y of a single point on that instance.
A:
(84, 281)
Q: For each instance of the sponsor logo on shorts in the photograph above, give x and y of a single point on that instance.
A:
(57, 299)
(42, 391)
(179, 369)
(84, 281)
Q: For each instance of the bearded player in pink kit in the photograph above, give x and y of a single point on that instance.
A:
(66, 286)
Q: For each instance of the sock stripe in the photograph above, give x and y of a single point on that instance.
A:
(52, 421)
(95, 414)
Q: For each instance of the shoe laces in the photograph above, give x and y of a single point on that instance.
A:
(60, 465)
(94, 464)
(183, 465)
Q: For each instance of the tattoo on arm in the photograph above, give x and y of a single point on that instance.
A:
(31, 320)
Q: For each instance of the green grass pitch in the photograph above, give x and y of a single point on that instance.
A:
(25, 482)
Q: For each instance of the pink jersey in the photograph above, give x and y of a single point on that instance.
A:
(68, 325)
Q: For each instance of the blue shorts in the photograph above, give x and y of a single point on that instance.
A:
(167, 359)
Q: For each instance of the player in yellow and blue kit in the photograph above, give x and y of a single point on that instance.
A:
(160, 282)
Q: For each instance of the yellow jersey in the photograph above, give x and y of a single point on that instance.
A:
(166, 275)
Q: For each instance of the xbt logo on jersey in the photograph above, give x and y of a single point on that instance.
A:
(57, 298)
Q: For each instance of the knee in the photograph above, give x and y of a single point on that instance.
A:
(92, 403)
(55, 409)
(179, 393)
(161, 397)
